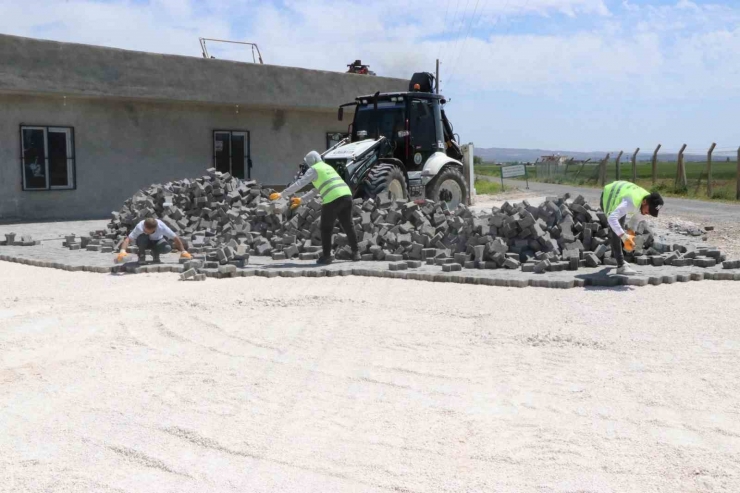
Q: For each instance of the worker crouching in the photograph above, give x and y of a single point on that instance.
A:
(152, 234)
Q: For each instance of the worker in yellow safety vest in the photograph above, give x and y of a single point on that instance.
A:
(619, 199)
(336, 203)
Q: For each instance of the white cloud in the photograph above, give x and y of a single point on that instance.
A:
(629, 55)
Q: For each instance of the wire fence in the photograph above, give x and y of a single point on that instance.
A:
(705, 173)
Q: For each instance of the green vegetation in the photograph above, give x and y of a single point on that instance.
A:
(483, 187)
(488, 169)
(724, 177)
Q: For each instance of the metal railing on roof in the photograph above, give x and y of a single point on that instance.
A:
(254, 46)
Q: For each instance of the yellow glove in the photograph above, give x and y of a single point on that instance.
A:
(295, 202)
(186, 255)
(275, 196)
(629, 242)
(630, 232)
(121, 256)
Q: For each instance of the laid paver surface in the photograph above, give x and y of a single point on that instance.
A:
(51, 253)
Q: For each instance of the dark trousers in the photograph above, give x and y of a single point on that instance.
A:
(614, 240)
(144, 243)
(616, 244)
(341, 209)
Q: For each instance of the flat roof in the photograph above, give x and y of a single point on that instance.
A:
(34, 66)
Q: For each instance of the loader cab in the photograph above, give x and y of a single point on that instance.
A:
(412, 123)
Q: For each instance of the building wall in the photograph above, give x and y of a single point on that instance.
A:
(48, 67)
(122, 146)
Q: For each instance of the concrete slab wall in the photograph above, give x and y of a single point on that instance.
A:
(122, 146)
(38, 66)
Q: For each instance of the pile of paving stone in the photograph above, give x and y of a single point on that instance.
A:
(689, 229)
(225, 220)
(12, 239)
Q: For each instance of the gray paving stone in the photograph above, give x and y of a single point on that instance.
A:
(704, 262)
(656, 280)
(591, 259)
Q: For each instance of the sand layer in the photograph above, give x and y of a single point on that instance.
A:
(144, 383)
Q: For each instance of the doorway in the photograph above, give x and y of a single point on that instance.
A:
(231, 153)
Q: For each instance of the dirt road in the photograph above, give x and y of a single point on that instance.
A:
(144, 383)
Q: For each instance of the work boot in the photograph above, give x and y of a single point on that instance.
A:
(356, 257)
(626, 270)
(156, 259)
(141, 260)
(325, 260)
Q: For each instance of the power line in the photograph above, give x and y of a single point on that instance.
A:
(490, 48)
(444, 29)
(465, 41)
(454, 16)
(460, 28)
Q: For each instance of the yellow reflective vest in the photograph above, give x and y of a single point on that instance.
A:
(329, 184)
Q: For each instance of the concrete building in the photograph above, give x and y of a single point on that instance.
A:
(82, 127)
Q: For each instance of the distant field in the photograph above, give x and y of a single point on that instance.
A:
(724, 176)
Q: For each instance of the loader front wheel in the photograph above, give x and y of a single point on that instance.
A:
(448, 187)
(385, 177)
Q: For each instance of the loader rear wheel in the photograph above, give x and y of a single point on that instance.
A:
(448, 187)
(385, 177)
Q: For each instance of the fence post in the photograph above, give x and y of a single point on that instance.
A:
(567, 165)
(709, 169)
(619, 158)
(655, 164)
(581, 168)
(634, 165)
(602, 170)
(681, 170)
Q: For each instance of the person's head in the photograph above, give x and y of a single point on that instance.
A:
(150, 225)
(652, 204)
(312, 158)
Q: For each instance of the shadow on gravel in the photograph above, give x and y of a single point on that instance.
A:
(603, 280)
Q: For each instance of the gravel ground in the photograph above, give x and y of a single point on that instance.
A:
(725, 234)
(144, 383)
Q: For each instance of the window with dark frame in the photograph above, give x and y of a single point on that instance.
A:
(231, 153)
(47, 158)
(423, 129)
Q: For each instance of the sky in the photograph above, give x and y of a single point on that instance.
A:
(581, 75)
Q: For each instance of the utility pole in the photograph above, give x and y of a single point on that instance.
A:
(436, 78)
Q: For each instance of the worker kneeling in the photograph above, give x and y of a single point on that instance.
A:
(336, 203)
(619, 199)
(152, 234)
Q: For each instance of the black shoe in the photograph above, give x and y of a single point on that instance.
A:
(324, 260)
(356, 257)
(141, 260)
(156, 260)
